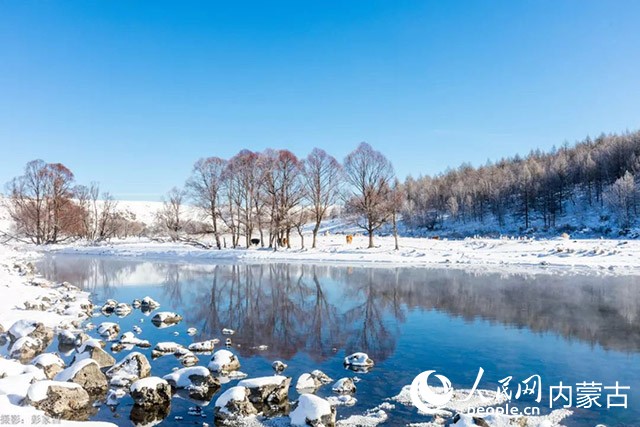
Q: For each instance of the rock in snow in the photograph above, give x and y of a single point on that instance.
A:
(87, 374)
(197, 380)
(313, 411)
(50, 363)
(234, 403)
(130, 369)
(344, 385)
(313, 381)
(268, 394)
(223, 361)
(92, 349)
(64, 400)
(150, 392)
(358, 361)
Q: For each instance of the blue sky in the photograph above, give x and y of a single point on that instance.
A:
(131, 94)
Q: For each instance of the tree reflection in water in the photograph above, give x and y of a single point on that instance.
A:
(317, 309)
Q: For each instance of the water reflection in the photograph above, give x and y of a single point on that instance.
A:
(315, 309)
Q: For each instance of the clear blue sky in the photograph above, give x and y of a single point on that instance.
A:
(130, 94)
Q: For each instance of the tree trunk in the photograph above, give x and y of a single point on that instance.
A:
(315, 235)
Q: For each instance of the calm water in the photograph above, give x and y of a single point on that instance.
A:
(563, 328)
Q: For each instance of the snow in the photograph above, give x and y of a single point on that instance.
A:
(107, 328)
(71, 371)
(599, 255)
(343, 400)
(236, 394)
(168, 347)
(305, 381)
(22, 328)
(10, 367)
(202, 346)
(149, 382)
(310, 407)
(262, 381)
(130, 338)
(343, 385)
(181, 377)
(47, 359)
(219, 359)
(358, 359)
(16, 386)
(38, 391)
(92, 342)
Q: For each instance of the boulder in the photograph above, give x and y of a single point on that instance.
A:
(92, 349)
(151, 392)
(109, 330)
(197, 380)
(64, 400)
(202, 346)
(109, 306)
(268, 394)
(279, 366)
(31, 329)
(68, 338)
(165, 319)
(233, 404)
(131, 339)
(87, 374)
(50, 363)
(26, 348)
(130, 369)
(148, 302)
(223, 361)
(344, 386)
(358, 361)
(313, 381)
(313, 411)
(123, 309)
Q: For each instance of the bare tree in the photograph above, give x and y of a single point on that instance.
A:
(41, 203)
(99, 219)
(396, 204)
(322, 174)
(370, 174)
(205, 188)
(170, 215)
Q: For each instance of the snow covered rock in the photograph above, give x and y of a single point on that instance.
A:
(227, 331)
(313, 411)
(192, 331)
(268, 393)
(150, 303)
(26, 348)
(87, 374)
(358, 361)
(197, 380)
(64, 400)
(9, 368)
(187, 358)
(202, 346)
(123, 309)
(342, 400)
(31, 329)
(136, 303)
(344, 386)
(279, 366)
(313, 381)
(142, 416)
(167, 347)
(150, 392)
(109, 306)
(234, 403)
(109, 330)
(223, 361)
(132, 368)
(165, 319)
(68, 338)
(92, 349)
(50, 363)
(131, 339)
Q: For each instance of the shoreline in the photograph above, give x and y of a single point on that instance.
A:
(555, 256)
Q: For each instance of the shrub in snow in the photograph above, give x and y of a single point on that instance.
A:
(313, 411)
(87, 374)
(223, 361)
(234, 403)
(57, 399)
(150, 392)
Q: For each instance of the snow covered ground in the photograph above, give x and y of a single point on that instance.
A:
(564, 255)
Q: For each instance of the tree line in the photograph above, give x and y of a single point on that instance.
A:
(268, 196)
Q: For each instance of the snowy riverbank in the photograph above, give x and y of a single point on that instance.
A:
(564, 255)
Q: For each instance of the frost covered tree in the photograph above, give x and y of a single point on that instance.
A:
(205, 188)
(370, 174)
(322, 176)
(622, 197)
(170, 215)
